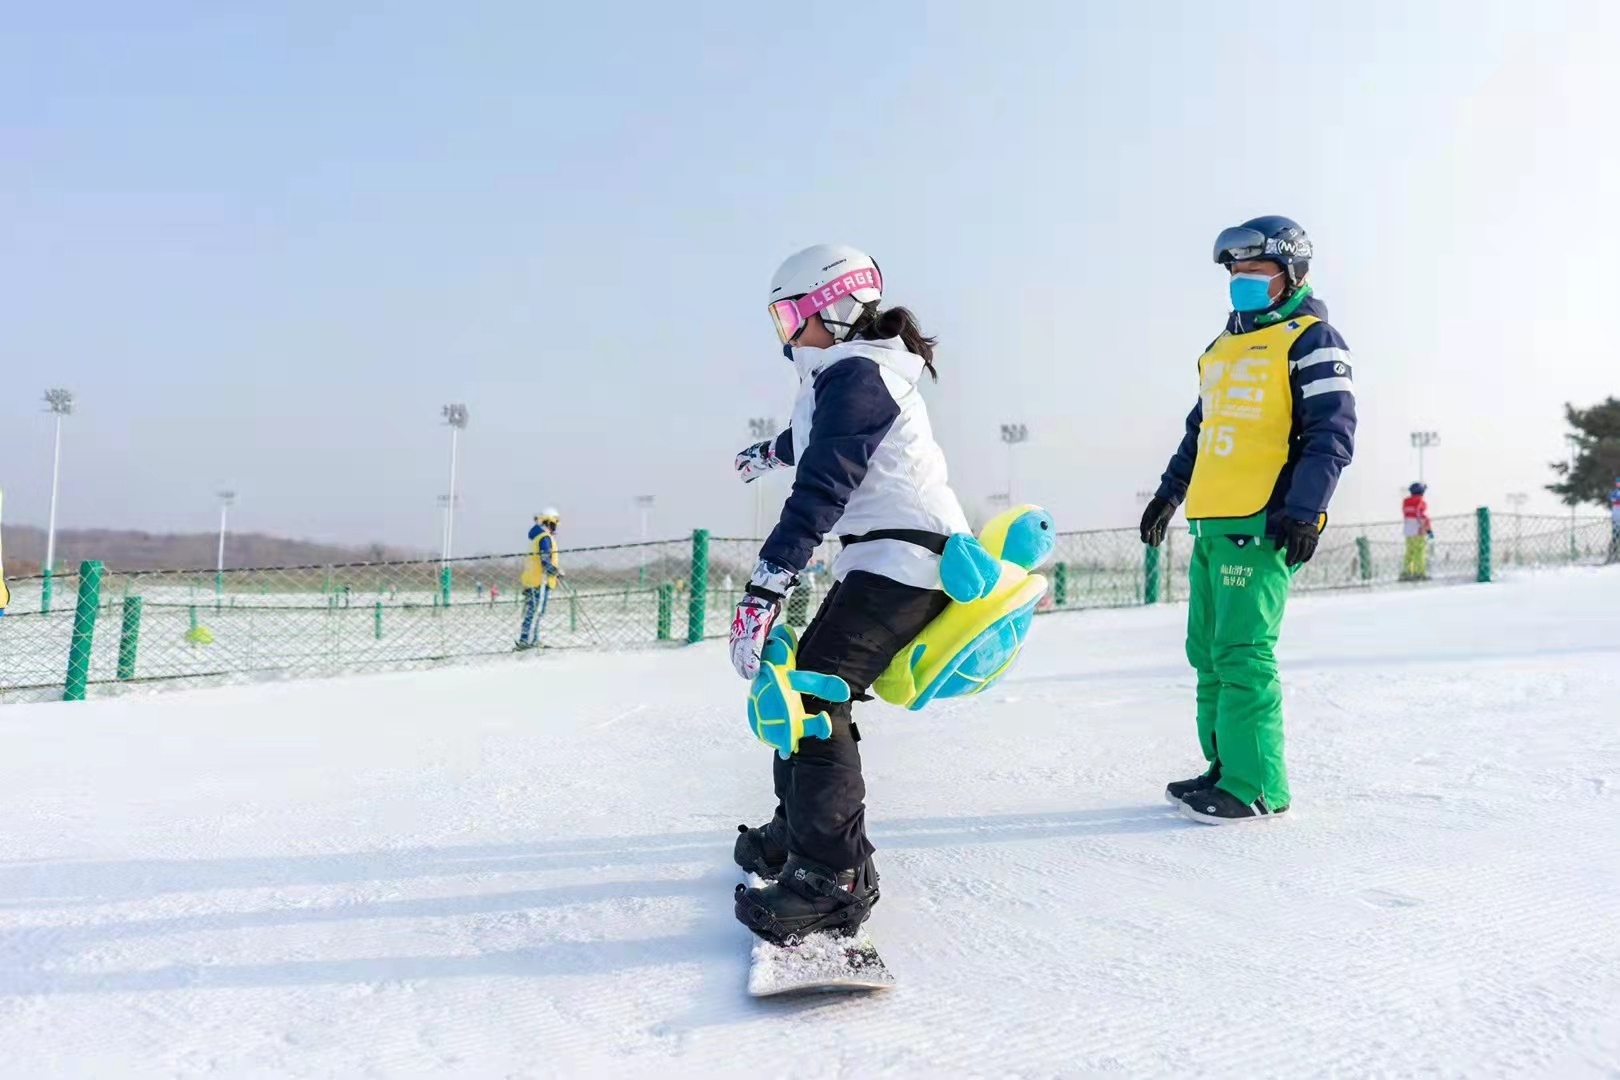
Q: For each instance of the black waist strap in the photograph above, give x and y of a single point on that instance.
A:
(933, 541)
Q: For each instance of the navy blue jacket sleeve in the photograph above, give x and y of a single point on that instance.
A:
(784, 447)
(1178, 474)
(1324, 419)
(534, 532)
(547, 547)
(853, 412)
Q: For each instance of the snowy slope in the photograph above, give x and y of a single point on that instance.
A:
(523, 869)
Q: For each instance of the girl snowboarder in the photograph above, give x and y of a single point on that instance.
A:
(870, 472)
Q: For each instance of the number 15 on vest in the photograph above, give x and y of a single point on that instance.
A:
(1216, 439)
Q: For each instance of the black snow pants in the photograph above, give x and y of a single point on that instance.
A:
(863, 624)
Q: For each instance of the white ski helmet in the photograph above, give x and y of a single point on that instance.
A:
(549, 514)
(838, 282)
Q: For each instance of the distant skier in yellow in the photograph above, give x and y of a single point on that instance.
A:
(5, 594)
(541, 573)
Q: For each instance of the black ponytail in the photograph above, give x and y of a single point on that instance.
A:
(901, 323)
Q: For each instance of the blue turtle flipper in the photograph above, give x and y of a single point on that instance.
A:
(966, 570)
(825, 687)
(818, 726)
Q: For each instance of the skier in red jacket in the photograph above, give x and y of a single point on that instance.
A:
(1419, 531)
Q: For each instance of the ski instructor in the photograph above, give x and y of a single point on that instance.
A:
(1274, 426)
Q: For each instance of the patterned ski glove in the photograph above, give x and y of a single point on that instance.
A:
(758, 460)
(757, 610)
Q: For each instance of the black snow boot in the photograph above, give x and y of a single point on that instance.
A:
(763, 850)
(1213, 806)
(1177, 790)
(809, 898)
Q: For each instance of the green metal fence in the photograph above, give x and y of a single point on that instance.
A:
(105, 628)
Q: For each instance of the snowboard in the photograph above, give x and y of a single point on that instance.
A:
(820, 963)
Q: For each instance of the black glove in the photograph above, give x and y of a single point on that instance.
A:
(1156, 519)
(1299, 541)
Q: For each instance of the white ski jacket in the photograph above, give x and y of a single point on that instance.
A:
(866, 462)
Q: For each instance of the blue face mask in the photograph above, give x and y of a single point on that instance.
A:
(1251, 292)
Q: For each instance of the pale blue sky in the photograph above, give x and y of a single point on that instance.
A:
(265, 247)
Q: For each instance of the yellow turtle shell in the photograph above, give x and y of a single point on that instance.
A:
(972, 644)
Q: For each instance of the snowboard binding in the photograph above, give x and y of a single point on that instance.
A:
(806, 899)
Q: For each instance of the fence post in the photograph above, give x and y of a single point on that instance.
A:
(666, 610)
(45, 593)
(129, 638)
(697, 602)
(573, 611)
(1484, 513)
(219, 589)
(1364, 557)
(376, 629)
(1150, 576)
(444, 585)
(1060, 584)
(84, 631)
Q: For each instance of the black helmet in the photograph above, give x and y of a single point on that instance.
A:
(1418, 489)
(1273, 238)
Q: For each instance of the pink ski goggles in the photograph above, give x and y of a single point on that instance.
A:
(790, 315)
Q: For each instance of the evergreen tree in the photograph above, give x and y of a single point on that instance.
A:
(1597, 455)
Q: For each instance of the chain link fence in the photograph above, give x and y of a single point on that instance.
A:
(1365, 556)
(36, 635)
(1533, 542)
(153, 626)
(1111, 568)
(105, 628)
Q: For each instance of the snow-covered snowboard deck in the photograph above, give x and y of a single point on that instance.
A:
(824, 963)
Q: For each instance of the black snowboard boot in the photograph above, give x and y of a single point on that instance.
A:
(809, 898)
(763, 850)
(1213, 806)
(1177, 790)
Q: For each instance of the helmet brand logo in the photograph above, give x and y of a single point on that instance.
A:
(850, 282)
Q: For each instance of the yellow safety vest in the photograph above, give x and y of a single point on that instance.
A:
(5, 594)
(534, 567)
(1248, 405)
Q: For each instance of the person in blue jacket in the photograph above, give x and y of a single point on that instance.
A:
(541, 573)
(1257, 466)
(1614, 521)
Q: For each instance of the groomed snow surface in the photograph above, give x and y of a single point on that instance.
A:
(523, 868)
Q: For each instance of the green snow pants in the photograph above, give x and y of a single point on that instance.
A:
(1239, 588)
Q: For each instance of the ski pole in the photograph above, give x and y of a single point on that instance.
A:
(590, 623)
